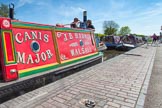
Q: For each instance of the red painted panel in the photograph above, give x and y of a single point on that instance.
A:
(8, 44)
(9, 75)
(73, 45)
(5, 23)
(42, 41)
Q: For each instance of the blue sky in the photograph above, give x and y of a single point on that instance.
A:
(142, 16)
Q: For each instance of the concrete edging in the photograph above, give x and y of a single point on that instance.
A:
(143, 93)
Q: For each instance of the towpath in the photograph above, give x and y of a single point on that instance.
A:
(120, 82)
(154, 94)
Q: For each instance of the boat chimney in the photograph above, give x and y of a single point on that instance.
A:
(11, 11)
(84, 16)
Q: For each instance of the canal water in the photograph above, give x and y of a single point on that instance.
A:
(108, 54)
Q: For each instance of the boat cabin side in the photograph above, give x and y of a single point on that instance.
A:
(30, 48)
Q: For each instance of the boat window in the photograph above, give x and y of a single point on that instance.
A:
(116, 39)
(127, 40)
(109, 39)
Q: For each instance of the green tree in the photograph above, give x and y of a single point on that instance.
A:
(140, 35)
(110, 27)
(4, 11)
(99, 35)
(124, 30)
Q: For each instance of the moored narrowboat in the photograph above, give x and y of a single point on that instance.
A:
(111, 41)
(30, 48)
(127, 42)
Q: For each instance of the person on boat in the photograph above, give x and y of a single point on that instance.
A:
(59, 25)
(75, 23)
(89, 25)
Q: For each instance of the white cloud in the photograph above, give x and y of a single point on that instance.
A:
(70, 11)
(23, 2)
(139, 18)
(155, 10)
(116, 5)
(143, 21)
(148, 20)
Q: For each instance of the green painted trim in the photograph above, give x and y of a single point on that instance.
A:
(77, 60)
(41, 26)
(4, 53)
(14, 48)
(37, 71)
(56, 66)
(72, 30)
(28, 25)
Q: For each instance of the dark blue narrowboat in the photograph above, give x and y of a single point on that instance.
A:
(111, 42)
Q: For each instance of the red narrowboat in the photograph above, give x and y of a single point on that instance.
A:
(31, 48)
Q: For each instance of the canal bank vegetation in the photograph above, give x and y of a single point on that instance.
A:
(111, 28)
(118, 38)
(4, 11)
